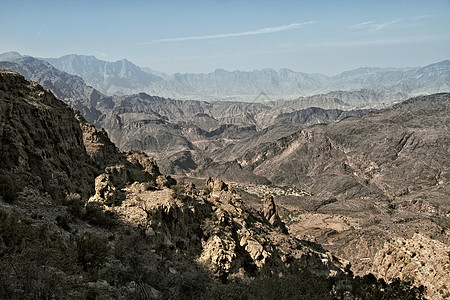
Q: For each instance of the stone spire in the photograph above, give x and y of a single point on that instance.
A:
(270, 213)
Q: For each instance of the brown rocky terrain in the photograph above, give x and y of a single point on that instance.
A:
(82, 220)
(367, 184)
(419, 257)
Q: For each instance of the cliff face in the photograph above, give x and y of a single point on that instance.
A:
(50, 146)
(41, 140)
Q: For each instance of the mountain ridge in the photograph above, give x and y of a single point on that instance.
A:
(123, 77)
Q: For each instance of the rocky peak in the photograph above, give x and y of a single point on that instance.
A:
(216, 185)
(270, 213)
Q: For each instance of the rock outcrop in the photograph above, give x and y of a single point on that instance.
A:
(235, 241)
(271, 214)
(420, 258)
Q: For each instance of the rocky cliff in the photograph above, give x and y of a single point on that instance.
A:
(41, 140)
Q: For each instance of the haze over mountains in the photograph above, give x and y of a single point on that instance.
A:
(123, 77)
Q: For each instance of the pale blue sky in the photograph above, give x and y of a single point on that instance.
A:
(200, 36)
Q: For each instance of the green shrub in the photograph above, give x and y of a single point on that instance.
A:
(63, 222)
(97, 216)
(92, 252)
(15, 234)
(369, 287)
(74, 205)
(298, 285)
(8, 189)
(33, 260)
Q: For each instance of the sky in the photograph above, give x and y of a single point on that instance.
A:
(199, 36)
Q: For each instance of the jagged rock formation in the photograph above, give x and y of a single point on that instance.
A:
(235, 242)
(271, 214)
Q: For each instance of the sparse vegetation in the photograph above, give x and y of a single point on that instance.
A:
(74, 205)
(8, 189)
(92, 252)
(97, 216)
(92, 212)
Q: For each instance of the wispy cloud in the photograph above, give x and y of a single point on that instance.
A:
(38, 34)
(362, 25)
(373, 26)
(422, 17)
(234, 34)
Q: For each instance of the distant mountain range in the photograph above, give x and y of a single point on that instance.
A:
(123, 78)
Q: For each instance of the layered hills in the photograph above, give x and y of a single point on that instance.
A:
(368, 85)
(179, 134)
(80, 219)
(395, 84)
(369, 181)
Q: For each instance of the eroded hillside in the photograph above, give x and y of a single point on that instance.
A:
(367, 183)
